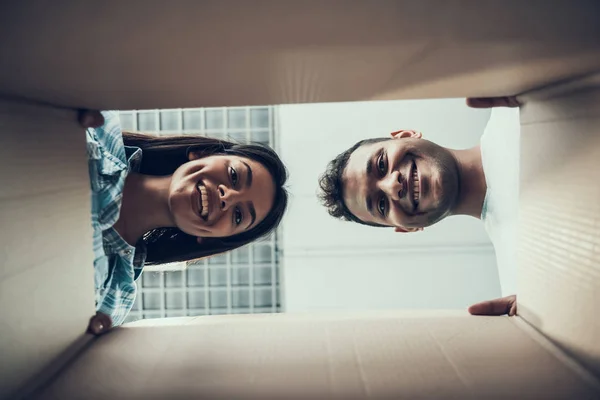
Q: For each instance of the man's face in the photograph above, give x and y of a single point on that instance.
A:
(405, 182)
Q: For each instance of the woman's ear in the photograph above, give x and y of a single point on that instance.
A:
(193, 155)
(407, 230)
(405, 133)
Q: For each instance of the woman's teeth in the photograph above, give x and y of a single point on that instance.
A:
(203, 201)
(415, 184)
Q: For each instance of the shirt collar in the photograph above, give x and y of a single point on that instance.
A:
(134, 158)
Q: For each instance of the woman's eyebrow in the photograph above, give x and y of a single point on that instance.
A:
(248, 175)
(252, 214)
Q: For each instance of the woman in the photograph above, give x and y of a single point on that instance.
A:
(164, 199)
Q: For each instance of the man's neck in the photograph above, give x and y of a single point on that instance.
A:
(472, 182)
(145, 206)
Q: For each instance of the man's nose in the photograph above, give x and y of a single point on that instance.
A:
(392, 185)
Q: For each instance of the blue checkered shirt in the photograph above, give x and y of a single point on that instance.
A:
(117, 265)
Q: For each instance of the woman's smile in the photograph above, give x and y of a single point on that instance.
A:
(203, 202)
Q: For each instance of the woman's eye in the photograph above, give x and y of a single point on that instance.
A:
(381, 164)
(237, 216)
(381, 206)
(234, 176)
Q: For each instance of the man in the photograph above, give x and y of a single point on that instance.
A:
(409, 183)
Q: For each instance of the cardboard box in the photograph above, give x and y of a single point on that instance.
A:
(193, 53)
(395, 355)
(559, 254)
(154, 54)
(46, 262)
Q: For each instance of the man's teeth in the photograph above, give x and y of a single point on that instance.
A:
(415, 184)
(203, 200)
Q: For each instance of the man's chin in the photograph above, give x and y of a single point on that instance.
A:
(436, 216)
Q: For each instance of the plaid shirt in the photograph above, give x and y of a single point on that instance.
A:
(116, 263)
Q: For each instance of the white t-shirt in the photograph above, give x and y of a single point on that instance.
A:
(500, 157)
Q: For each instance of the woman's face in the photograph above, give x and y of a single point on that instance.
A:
(221, 195)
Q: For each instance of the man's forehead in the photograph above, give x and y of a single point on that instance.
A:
(358, 158)
(355, 179)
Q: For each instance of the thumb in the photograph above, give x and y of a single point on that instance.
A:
(90, 118)
(99, 324)
(502, 306)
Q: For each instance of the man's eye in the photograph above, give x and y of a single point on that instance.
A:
(381, 206)
(234, 176)
(237, 216)
(381, 165)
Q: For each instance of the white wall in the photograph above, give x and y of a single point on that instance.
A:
(330, 264)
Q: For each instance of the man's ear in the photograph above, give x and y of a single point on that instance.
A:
(406, 230)
(405, 133)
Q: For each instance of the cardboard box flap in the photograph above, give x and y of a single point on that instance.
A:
(46, 260)
(154, 54)
(559, 254)
(428, 355)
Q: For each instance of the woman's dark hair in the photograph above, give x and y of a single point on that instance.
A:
(162, 155)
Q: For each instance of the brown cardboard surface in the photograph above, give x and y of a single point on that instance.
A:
(154, 54)
(158, 54)
(559, 255)
(46, 273)
(400, 355)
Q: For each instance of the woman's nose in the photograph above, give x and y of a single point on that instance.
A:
(226, 197)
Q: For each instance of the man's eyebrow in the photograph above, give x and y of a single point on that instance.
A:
(372, 160)
(368, 170)
(248, 175)
(252, 214)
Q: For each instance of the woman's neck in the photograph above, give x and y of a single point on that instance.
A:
(145, 206)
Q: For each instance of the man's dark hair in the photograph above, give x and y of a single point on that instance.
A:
(332, 187)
